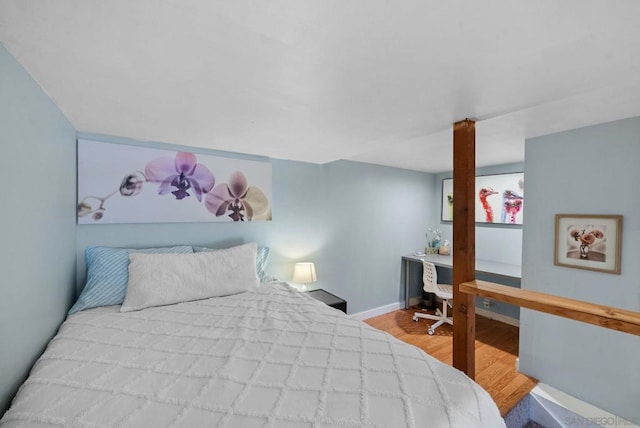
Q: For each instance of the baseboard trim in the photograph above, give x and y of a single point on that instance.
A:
(377, 311)
(381, 310)
(498, 317)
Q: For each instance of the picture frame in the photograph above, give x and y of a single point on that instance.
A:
(499, 199)
(588, 241)
(128, 184)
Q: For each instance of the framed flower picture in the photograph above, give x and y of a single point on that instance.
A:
(120, 183)
(586, 241)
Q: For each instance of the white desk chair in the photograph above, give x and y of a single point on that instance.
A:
(444, 291)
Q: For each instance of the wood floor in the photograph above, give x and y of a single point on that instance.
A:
(496, 352)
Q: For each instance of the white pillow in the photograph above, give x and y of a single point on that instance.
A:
(165, 279)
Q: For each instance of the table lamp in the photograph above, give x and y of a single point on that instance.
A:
(304, 273)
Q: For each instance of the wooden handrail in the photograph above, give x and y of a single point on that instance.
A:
(604, 316)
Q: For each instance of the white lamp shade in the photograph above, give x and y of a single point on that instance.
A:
(304, 273)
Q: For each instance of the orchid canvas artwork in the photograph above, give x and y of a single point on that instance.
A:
(129, 184)
(499, 198)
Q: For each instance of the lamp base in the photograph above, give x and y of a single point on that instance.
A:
(302, 287)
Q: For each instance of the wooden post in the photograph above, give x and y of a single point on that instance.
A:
(464, 241)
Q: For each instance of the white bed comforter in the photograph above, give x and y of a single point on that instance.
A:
(270, 358)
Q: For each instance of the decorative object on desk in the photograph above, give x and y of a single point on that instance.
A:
(433, 241)
(304, 273)
(499, 198)
(445, 248)
(120, 183)
(591, 242)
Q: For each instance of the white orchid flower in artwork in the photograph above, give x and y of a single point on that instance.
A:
(239, 198)
(180, 173)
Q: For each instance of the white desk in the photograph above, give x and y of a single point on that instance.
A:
(482, 266)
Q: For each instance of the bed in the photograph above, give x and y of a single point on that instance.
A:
(268, 357)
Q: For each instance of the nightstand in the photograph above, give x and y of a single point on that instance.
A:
(329, 299)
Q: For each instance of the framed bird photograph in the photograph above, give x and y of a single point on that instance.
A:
(499, 199)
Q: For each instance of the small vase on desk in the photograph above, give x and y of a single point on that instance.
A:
(430, 250)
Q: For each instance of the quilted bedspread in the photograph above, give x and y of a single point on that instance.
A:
(270, 358)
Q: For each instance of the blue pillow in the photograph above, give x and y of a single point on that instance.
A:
(108, 275)
(262, 257)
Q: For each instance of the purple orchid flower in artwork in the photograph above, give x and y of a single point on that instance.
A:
(239, 198)
(179, 175)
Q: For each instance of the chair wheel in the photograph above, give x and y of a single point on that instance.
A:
(430, 332)
(415, 318)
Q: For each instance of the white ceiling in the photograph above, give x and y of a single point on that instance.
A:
(377, 81)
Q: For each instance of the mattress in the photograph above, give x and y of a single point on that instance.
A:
(274, 357)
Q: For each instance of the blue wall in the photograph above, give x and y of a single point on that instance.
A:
(591, 170)
(354, 220)
(498, 243)
(37, 223)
